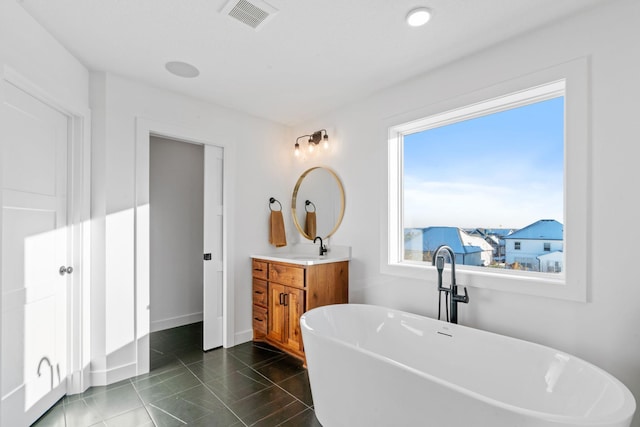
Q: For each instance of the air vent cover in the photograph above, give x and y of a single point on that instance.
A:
(254, 13)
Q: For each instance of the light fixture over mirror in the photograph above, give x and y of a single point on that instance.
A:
(314, 140)
(317, 203)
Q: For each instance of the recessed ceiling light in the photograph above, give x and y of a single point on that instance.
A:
(418, 17)
(182, 69)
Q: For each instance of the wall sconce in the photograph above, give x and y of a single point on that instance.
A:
(313, 141)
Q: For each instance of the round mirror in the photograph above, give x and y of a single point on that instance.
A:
(317, 204)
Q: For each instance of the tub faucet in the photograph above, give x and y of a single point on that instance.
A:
(451, 293)
(323, 248)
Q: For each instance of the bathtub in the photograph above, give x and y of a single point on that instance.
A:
(374, 366)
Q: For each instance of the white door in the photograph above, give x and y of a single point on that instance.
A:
(33, 149)
(213, 267)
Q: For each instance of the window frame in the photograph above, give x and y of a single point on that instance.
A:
(572, 283)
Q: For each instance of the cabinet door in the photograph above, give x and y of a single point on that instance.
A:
(295, 309)
(277, 312)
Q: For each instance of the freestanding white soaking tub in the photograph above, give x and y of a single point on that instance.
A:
(374, 366)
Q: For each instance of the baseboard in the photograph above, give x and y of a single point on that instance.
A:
(79, 381)
(173, 322)
(242, 337)
(113, 375)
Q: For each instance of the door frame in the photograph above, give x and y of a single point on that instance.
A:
(78, 218)
(145, 128)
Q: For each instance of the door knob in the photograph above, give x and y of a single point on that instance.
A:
(64, 270)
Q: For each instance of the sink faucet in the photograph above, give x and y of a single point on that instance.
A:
(323, 248)
(451, 293)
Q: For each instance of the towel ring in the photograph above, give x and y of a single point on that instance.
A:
(273, 200)
(307, 203)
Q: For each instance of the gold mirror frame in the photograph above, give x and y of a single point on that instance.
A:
(295, 196)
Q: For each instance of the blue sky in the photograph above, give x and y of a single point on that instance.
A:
(501, 170)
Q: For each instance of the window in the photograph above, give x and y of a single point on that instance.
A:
(493, 171)
(483, 185)
(547, 247)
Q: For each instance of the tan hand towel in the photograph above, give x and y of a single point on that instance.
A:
(310, 224)
(277, 236)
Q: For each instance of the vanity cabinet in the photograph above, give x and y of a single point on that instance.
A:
(260, 300)
(282, 292)
(286, 305)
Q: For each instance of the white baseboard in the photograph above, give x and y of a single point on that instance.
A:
(242, 337)
(113, 375)
(79, 382)
(172, 322)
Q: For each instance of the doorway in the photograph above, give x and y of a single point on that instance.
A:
(176, 208)
(216, 311)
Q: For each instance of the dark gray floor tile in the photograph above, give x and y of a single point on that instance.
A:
(181, 408)
(114, 401)
(156, 376)
(91, 391)
(214, 368)
(299, 386)
(191, 355)
(214, 421)
(281, 414)
(238, 385)
(163, 362)
(219, 414)
(260, 405)
(304, 419)
(255, 354)
(136, 418)
(79, 414)
(202, 396)
(72, 397)
(281, 369)
(176, 339)
(54, 417)
(162, 419)
(160, 387)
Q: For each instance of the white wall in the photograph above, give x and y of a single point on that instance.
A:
(30, 50)
(176, 188)
(259, 167)
(603, 331)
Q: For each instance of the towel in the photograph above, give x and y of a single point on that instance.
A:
(276, 229)
(310, 224)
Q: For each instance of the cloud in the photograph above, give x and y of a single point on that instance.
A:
(431, 203)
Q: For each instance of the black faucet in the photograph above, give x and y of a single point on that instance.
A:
(323, 248)
(452, 291)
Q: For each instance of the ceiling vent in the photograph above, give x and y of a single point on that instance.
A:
(254, 13)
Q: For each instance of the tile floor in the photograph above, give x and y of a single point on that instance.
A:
(252, 384)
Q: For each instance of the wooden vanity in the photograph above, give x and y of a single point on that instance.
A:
(283, 291)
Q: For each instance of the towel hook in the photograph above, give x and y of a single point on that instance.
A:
(307, 203)
(273, 200)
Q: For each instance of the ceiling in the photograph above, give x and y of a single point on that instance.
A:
(310, 57)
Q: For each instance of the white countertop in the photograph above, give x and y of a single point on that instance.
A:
(307, 254)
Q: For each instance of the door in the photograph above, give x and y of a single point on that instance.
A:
(277, 312)
(35, 256)
(294, 302)
(286, 305)
(213, 247)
